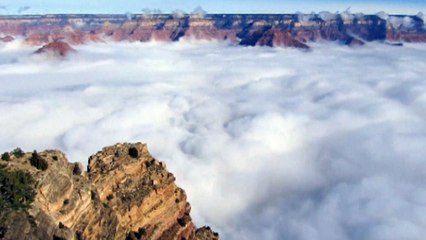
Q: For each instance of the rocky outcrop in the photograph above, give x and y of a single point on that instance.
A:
(285, 30)
(125, 194)
(56, 48)
(7, 39)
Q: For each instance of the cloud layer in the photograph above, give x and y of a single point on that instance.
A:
(269, 143)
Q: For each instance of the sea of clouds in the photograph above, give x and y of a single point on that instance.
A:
(269, 143)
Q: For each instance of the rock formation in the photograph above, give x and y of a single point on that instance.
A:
(56, 48)
(286, 30)
(125, 194)
(7, 39)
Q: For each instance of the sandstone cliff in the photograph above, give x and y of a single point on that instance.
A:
(288, 30)
(125, 194)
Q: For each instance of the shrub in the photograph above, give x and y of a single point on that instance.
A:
(181, 221)
(38, 162)
(76, 169)
(94, 195)
(32, 221)
(133, 152)
(78, 235)
(110, 197)
(17, 152)
(16, 190)
(2, 232)
(55, 237)
(5, 156)
(140, 233)
(136, 235)
(61, 225)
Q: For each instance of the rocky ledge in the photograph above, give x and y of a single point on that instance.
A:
(125, 194)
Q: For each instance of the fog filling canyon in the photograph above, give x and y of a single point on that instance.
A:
(269, 143)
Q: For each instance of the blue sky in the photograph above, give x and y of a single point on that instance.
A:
(218, 6)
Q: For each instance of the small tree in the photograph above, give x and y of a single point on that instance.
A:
(38, 162)
(133, 152)
(5, 156)
(17, 152)
(76, 169)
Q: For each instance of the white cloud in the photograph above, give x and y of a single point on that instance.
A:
(422, 16)
(303, 17)
(178, 13)
(198, 12)
(347, 16)
(327, 16)
(401, 22)
(383, 15)
(269, 143)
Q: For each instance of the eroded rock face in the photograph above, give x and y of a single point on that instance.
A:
(283, 30)
(125, 194)
(56, 48)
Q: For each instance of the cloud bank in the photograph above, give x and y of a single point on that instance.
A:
(269, 143)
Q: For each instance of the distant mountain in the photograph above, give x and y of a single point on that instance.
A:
(283, 30)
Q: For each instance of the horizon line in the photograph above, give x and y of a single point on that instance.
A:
(207, 14)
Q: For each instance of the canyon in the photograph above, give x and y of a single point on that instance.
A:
(278, 30)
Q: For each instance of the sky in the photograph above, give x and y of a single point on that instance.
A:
(269, 143)
(218, 6)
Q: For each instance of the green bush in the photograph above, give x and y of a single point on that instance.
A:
(133, 152)
(5, 156)
(16, 190)
(16, 195)
(38, 162)
(18, 153)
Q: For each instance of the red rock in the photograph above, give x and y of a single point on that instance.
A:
(250, 30)
(308, 35)
(353, 42)
(162, 35)
(57, 48)
(276, 38)
(413, 37)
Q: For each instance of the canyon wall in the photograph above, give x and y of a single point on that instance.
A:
(287, 30)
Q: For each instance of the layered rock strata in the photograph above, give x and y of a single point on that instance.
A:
(288, 30)
(125, 194)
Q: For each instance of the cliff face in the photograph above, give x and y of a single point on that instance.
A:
(289, 30)
(125, 194)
